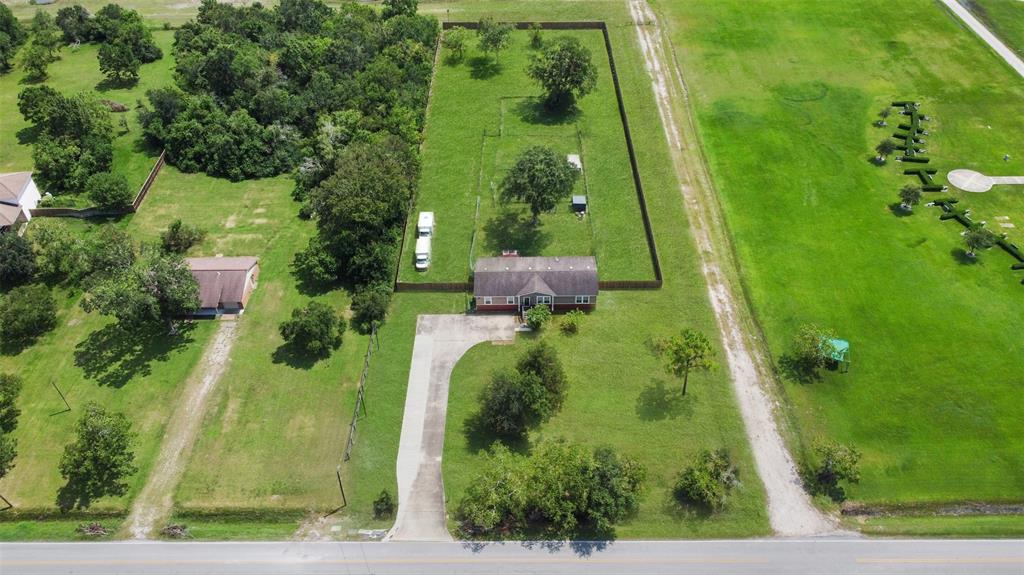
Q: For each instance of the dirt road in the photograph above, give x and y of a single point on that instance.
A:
(789, 508)
(154, 504)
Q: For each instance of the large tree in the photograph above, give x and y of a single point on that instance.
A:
(542, 360)
(76, 24)
(100, 458)
(17, 260)
(118, 62)
(513, 402)
(564, 70)
(541, 178)
(910, 196)
(157, 289)
(8, 452)
(689, 351)
(315, 329)
(46, 34)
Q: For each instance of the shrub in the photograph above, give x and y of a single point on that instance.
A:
(179, 237)
(707, 482)
(315, 329)
(370, 306)
(811, 349)
(538, 316)
(571, 322)
(108, 190)
(383, 505)
(26, 313)
(17, 260)
(536, 36)
(834, 462)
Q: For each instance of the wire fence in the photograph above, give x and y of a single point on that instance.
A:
(371, 346)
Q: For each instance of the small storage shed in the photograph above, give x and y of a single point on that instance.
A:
(579, 204)
(225, 284)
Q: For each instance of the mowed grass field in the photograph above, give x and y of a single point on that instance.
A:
(785, 101)
(482, 115)
(1005, 18)
(78, 71)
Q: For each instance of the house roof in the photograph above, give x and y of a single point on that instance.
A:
(9, 215)
(12, 186)
(557, 276)
(221, 280)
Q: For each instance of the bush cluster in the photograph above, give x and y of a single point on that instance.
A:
(708, 481)
(315, 329)
(559, 489)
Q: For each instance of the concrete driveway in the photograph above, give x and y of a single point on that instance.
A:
(440, 341)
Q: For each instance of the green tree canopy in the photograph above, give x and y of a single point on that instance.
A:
(978, 237)
(158, 288)
(12, 36)
(541, 178)
(315, 329)
(689, 351)
(108, 190)
(17, 261)
(99, 460)
(8, 452)
(564, 70)
(494, 36)
(26, 312)
(118, 62)
(812, 348)
(10, 389)
(455, 40)
(394, 8)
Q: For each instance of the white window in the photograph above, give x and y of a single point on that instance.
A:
(510, 300)
(487, 301)
(544, 299)
(582, 299)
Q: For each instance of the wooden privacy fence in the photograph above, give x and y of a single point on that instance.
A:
(97, 212)
(652, 247)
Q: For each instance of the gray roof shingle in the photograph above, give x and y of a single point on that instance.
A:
(557, 276)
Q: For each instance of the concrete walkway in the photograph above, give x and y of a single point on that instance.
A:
(974, 24)
(440, 341)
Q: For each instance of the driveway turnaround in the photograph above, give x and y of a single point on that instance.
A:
(440, 341)
(783, 557)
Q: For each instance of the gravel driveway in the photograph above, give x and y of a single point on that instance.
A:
(440, 341)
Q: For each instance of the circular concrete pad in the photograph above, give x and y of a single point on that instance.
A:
(970, 181)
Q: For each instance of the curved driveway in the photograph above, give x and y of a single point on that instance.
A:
(440, 341)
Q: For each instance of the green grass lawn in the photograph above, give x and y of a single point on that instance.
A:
(785, 101)
(971, 526)
(482, 115)
(78, 71)
(1005, 18)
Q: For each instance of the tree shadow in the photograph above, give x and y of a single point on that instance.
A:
(535, 111)
(509, 231)
(29, 134)
(108, 84)
(113, 356)
(791, 368)
(293, 357)
(77, 494)
(657, 402)
(483, 67)
(899, 211)
(962, 257)
(480, 437)
(684, 510)
(453, 59)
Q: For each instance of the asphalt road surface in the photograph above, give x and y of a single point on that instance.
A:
(782, 556)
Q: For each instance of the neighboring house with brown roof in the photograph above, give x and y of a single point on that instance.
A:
(514, 284)
(225, 284)
(18, 197)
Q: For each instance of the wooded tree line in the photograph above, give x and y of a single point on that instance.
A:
(337, 95)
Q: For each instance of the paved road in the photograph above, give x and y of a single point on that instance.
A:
(781, 556)
(974, 24)
(440, 341)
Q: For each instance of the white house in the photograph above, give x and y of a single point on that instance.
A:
(18, 196)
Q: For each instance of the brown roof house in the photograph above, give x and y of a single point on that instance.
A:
(225, 284)
(515, 284)
(18, 197)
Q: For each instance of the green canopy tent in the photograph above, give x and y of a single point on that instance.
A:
(839, 352)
